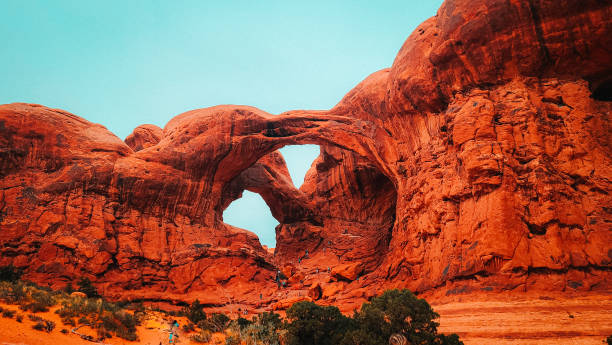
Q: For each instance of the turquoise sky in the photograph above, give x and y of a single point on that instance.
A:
(125, 63)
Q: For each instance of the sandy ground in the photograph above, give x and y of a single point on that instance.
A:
(15, 333)
(529, 320)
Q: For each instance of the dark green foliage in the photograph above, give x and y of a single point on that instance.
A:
(195, 312)
(69, 289)
(271, 319)
(65, 331)
(314, 324)
(609, 340)
(242, 322)
(215, 323)
(10, 273)
(264, 329)
(452, 339)
(19, 318)
(87, 288)
(397, 311)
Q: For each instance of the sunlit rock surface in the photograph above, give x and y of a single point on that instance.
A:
(479, 162)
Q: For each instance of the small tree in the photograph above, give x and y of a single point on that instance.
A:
(87, 288)
(195, 312)
(397, 311)
(314, 324)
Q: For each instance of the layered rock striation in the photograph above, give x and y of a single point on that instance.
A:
(480, 161)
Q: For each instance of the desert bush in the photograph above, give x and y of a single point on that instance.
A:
(188, 327)
(396, 311)
(314, 324)
(68, 321)
(121, 323)
(8, 313)
(194, 312)
(127, 334)
(44, 325)
(215, 323)
(87, 288)
(41, 300)
(232, 340)
(242, 322)
(609, 340)
(65, 331)
(264, 329)
(204, 336)
(10, 273)
(13, 292)
(19, 317)
(34, 318)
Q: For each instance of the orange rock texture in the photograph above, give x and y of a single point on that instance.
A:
(480, 161)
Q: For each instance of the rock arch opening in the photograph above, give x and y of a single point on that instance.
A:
(273, 177)
(251, 212)
(299, 159)
(356, 206)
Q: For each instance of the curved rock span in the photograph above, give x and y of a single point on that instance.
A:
(480, 161)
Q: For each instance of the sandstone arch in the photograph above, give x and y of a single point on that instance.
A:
(484, 126)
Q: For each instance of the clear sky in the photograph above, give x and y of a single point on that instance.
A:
(125, 63)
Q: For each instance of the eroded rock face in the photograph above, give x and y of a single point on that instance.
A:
(144, 136)
(480, 161)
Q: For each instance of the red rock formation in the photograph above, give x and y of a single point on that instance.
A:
(479, 161)
(144, 136)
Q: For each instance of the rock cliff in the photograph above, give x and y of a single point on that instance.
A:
(480, 161)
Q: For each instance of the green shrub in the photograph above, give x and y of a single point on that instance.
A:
(397, 311)
(257, 333)
(609, 340)
(216, 323)
(242, 322)
(314, 324)
(10, 273)
(87, 288)
(19, 318)
(203, 337)
(13, 292)
(195, 312)
(41, 301)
